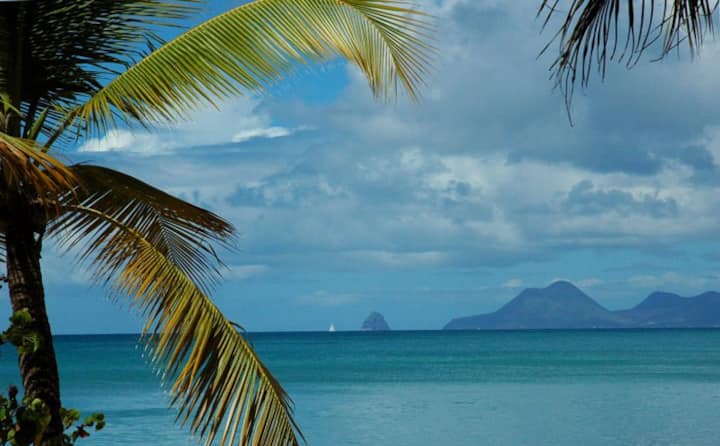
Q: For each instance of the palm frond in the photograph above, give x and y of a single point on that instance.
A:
(180, 231)
(4, 51)
(3, 254)
(221, 387)
(26, 169)
(71, 48)
(254, 45)
(594, 32)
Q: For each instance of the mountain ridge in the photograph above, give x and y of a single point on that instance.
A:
(562, 305)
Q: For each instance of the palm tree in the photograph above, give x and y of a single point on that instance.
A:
(595, 31)
(69, 69)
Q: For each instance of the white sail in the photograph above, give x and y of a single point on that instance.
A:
(332, 328)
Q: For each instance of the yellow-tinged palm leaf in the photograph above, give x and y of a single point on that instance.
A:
(220, 386)
(26, 169)
(182, 232)
(252, 46)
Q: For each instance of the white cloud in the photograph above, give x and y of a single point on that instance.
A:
(235, 121)
(513, 283)
(127, 141)
(262, 132)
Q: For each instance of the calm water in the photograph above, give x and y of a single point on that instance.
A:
(562, 388)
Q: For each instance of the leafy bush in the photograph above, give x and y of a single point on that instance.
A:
(25, 424)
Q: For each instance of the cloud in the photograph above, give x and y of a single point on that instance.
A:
(482, 183)
(323, 298)
(242, 272)
(238, 121)
(59, 268)
(585, 199)
(127, 141)
(400, 259)
(673, 280)
(413, 206)
(485, 171)
(513, 283)
(266, 132)
(589, 283)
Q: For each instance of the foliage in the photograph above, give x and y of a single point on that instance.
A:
(19, 333)
(24, 424)
(595, 31)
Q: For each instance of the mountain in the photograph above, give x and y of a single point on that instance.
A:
(670, 310)
(560, 305)
(563, 305)
(375, 322)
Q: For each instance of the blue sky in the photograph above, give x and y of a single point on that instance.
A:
(444, 208)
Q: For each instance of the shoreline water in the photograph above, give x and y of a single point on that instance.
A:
(420, 331)
(423, 388)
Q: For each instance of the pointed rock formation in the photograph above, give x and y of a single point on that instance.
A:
(375, 322)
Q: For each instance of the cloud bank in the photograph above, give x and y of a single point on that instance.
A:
(481, 189)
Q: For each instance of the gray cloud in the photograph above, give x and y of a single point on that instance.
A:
(585, 199)
(491, 94)
(485, 170)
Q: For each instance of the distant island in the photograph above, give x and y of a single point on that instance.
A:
(564, 306)
(375, 322)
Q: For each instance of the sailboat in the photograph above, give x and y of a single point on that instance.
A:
(332, 328)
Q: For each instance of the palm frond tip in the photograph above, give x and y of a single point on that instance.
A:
(219, 384)
(254, 45)
(184, 233)
(593, 32)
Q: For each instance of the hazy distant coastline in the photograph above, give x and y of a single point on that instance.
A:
(564, 306)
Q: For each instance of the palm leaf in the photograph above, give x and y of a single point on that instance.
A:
(595, 31)
(4, 51)
(219, 384)
(254, 45)
(71, 48)
(27, 170)
(182, 232)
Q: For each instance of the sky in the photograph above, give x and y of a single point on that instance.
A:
(443, 208)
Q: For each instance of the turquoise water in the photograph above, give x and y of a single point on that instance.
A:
(560, 388)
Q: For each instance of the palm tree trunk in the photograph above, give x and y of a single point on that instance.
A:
(38, 369)
(23, 242)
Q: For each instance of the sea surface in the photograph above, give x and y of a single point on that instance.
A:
(559, 388)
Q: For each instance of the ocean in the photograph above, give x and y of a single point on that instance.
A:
(559, 388)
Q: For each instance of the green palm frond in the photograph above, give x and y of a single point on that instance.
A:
(182, 232)
(27, 170)
(219, 384)
(596, 31)
(254, 45)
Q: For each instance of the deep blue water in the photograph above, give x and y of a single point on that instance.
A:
(560, 388)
